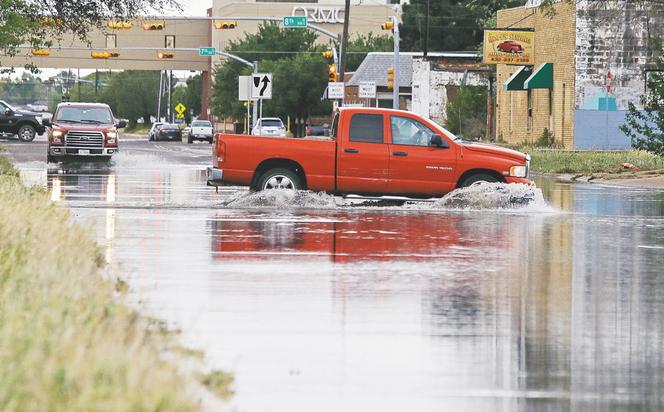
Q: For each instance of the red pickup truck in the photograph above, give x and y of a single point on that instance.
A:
(370, 152)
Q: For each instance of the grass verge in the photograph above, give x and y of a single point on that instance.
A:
(590, 162)
(67, 340)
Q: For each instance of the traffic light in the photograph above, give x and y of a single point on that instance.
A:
(332, 75)
(113, 54)
(388, 25)
(50, 21)
(390, 78)
(225, 24)
(120, 25)
(165, 55)
(154, 25)
(328, 54)
(41, 52)
(100, 55)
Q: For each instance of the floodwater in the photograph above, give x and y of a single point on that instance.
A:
(320, 304)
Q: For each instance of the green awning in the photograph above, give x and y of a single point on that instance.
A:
(542, 78)
(516, 81)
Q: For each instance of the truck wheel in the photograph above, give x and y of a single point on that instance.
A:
(210, 140)
(50, 159)
(477, 178)
(26, 133)
(190, 140)
(279, 179)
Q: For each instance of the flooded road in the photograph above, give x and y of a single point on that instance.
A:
(316, 303)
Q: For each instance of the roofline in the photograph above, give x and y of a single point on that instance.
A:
(430, 54)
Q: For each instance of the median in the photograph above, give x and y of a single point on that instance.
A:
(67, 340)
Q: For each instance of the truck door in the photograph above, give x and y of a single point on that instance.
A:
(363, 155)
(417, 167)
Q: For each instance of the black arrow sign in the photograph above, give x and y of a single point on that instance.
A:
(265, 82)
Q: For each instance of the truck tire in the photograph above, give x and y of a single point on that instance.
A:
(279, 179)
(479, 177)
(190, 140)
(26, 133)
(210, 140)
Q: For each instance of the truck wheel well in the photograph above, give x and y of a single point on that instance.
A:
(268, 164)
(472, 172)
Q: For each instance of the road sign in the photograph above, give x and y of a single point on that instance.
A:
(261, 85)
(367, 90)
(244, 88)
(295, 22)
(180, 108)
(335, 90)
(207, 51)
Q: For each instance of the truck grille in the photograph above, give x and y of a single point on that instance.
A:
(85, 139)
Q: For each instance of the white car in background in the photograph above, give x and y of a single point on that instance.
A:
(153, 130)
(269, 126)
(200, 130)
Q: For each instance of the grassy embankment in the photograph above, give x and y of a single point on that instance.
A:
(67, 340)
(605, 164)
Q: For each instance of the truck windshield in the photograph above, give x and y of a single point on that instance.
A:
(201, 124)
(99, 115)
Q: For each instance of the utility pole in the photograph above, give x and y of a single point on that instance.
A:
(170, 100)
(159, 93)
(96, 83)
(426, 30)
(395, 91)
(344, 42)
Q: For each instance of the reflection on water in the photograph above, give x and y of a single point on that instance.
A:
(392, 309)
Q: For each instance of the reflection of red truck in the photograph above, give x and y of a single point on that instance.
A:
(510, 46)
(371, 151)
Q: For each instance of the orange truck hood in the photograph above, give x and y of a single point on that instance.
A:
(495, 150)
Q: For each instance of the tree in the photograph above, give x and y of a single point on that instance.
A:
(37, 22)
(299, 73)
(646, 127)
(466, 112)
(361, 45)
(454, 25)
(132, 95)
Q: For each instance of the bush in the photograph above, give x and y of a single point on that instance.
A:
(545, 139)
(466, 113)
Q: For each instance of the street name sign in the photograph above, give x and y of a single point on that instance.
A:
(261, 86)
(335, 90)
(207, 51)
(367, 90)
(295, 22)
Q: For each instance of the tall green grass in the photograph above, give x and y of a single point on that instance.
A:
(67, 341)
(589, 162)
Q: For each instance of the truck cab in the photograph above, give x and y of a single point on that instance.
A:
(82, 131)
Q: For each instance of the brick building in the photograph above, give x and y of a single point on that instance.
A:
(599, 54)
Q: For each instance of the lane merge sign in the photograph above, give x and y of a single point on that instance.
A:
(295, 22)
(261, 86)
(207, 51)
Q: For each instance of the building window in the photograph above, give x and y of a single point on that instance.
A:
(530, 110)
(169, 41)
(111, 41)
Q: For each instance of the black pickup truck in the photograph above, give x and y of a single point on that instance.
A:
(15, 122)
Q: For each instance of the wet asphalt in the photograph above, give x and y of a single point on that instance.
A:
(316, 303)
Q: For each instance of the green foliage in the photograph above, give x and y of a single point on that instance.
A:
(546, 139)
(646, 127)
(454, 25)
(359, 46)
(466, 112)
(132, 94)
(21, 20)
(298, 79)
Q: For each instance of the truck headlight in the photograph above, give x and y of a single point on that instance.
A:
(110, 137)
(518, 171)
(57, 136)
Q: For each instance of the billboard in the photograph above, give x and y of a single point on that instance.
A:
(509, 47)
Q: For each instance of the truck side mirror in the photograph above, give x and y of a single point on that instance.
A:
(46, 122)
(122, 123)
(8, 112)
(438, 141)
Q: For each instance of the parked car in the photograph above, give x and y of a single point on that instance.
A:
(19, 123)
(168, 131)
(82, 131)
(510, 46)
(200, 130)
(371, 151)
(269, 126)
(153, 130)
(317, 130)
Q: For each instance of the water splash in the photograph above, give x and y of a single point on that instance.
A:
(494, 196)
(282, 199)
